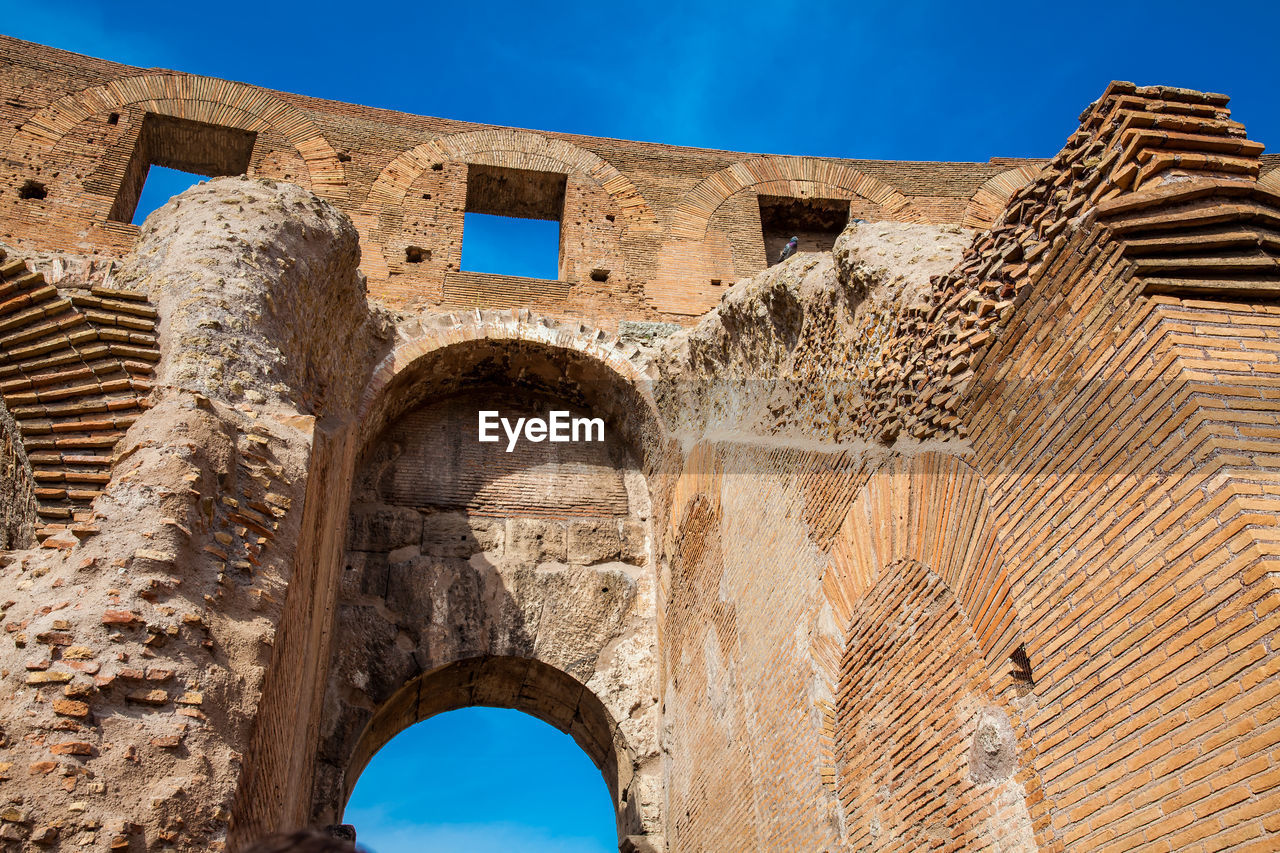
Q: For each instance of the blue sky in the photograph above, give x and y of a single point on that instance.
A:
(483, 780)
(891, 80)
(894, 80)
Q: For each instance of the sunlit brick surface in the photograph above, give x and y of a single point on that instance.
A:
(927, 538)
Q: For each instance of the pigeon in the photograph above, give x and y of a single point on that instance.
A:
(789, 249)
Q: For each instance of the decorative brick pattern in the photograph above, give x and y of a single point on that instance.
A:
(202, 99)
(514, 149)
(989, 202)
(798, 177)
(931, 510)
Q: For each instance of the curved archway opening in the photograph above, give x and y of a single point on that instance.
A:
(514, 683)
(499, 574)
(576, 367)
(482, 779)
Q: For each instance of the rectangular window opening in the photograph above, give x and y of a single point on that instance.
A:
(171, 155)
(512, 222)
(815, 222)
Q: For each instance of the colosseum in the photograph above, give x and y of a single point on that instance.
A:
(956, 530)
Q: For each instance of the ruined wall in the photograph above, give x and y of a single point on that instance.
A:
(1092, 510)
(945, 537)
(139, 646)
(648, 231)
(763, 595)
(743, 727)
(464, 554)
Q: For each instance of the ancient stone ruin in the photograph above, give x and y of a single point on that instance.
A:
(956, 530)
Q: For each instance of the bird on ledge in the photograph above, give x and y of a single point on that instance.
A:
(789, 249)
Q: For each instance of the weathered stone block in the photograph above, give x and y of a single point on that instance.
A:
(365, 572)
(448, 534)
(634, 543)
(383, 528)
(535, 540)
(490, 534)
(593, 541)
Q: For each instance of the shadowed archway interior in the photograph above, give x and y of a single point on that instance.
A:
(482, 574)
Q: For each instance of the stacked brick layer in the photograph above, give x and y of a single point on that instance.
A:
(75, 372)
(919, 360)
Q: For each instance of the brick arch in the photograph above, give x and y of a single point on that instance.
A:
(421, 344)
(521, 684)
(516, 149)
(203, 99)
(931, 509)
(929, 752)
(809, 175)
(989, 202)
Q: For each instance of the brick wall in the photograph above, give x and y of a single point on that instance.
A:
(1142, 535)
(997, 569)
(663, 221)
(1087, 560)
(924, 743)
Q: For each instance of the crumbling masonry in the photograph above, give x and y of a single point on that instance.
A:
(956, 530)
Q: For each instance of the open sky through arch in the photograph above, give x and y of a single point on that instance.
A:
(463, 781)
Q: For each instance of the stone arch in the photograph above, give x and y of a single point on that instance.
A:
(519, 684)
(932, 509)
(202, 99)
(515, 149)
(989, 202)
(694, 255)
(463, 576)
(600, 206)
(596, 356)
(784, 175)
